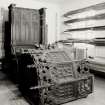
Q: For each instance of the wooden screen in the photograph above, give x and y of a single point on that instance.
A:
(25, 25)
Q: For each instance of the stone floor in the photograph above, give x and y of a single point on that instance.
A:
(9, 94)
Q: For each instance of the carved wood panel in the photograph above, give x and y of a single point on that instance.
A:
(25, 26)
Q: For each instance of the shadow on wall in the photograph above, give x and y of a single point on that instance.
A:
(3, 31)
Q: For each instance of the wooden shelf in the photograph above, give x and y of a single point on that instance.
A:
(93, 7)
(91, 41)
(96, 17)
(87, 28)
(74, 41)
(97, 44)
(100, 16)
(98, 41)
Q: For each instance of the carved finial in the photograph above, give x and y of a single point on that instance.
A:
(12, 6)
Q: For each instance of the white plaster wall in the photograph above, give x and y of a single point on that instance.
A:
(100, 51)
(69, 5)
